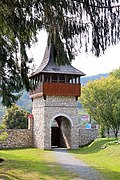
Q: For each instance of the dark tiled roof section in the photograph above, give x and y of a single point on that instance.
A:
(48, 66)
(45, 61)
(62, 69)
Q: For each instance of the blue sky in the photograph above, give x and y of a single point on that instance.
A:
(87, 63)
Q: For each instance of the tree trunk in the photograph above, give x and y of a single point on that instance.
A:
(116, 133)
(108, 133)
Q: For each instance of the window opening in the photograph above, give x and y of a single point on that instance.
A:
(62, 78)
(54, 78)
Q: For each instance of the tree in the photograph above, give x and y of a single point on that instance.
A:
(115, 73)
(66, 21)
(15, 118)
(101, 99)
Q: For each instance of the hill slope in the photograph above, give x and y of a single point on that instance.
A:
(86, 79)
(106, 159)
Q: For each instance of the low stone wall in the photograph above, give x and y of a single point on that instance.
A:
(87, 135)
(17, 138)
(20, 138)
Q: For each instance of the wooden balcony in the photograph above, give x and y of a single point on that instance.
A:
(56, 89)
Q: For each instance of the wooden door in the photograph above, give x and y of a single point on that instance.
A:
(55, 136)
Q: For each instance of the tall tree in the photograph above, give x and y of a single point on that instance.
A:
(101, 99)
(87, 22)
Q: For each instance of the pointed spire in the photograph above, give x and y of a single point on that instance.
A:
(48, 65)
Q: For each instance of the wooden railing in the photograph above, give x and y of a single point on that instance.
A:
(56, 89)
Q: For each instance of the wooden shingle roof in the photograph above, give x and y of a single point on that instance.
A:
(48, 66)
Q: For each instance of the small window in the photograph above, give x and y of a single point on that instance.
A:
(62, 78)
(54, 78)
(40, 78)
(70, 79)
(74, 80)
(78, 80)
(47, 78)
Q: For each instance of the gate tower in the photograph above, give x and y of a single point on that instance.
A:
(56, 89)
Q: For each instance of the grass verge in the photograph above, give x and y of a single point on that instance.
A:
(30, 164)
(102, 156)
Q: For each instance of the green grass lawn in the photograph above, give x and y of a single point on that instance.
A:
(106, 160)
(30, 164)
(36, 164)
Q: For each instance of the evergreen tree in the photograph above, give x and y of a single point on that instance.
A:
(15, 118)
(87, 22)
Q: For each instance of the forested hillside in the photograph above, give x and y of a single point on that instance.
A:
(25, 102)
(84, 80)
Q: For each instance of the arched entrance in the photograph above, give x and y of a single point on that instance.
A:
(61, 132)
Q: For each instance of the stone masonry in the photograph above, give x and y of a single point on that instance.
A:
(23, 138)
(38, 133)
(86, 136)
(17, 138)
(45, 111)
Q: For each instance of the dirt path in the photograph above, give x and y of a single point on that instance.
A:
(70, 163)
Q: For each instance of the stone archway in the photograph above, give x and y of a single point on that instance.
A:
(62, 109)
(61, 132)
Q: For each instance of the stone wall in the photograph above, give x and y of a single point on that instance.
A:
(38, 133)
(87, 135)
(20, 138)
(17, 138)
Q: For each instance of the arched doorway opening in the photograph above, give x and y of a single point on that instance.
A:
(61, 132)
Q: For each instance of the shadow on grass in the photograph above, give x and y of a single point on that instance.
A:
(8, 176)
(15, 168)
(110, 175)
(41, 167)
